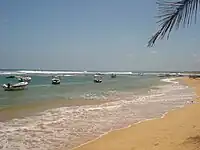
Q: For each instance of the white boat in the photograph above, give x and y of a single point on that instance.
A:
(97, 81)
(113, 75)
(24, 79)
(15, 87)
(163, 75)
(140, 74)
(97, 78)
(55, 80)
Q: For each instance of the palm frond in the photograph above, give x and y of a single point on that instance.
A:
(172, 15)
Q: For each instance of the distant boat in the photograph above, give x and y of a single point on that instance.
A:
(163, 75)
(24, 79)
(179, 75)
(140, 74)
(55, 80)
(15, 87)
(194, 76)
(113, 75)
(97, 78)
(8, 77)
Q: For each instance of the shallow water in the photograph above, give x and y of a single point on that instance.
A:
(71, 126)
(72, 87)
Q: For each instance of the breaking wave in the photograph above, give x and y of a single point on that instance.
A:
(71, 126)
(66, 73)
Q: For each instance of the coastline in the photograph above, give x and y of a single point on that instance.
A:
(176, 129)
(26, 110)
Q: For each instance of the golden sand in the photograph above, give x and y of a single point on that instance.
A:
(178, 130)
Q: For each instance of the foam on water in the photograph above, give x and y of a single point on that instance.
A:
(65, 73)
(71, 126)
(50, 72)
(170, 80)
(10, 73)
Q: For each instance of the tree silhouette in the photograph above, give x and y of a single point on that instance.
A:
(172, 14)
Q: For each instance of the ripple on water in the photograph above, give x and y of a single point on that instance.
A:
(71, 126)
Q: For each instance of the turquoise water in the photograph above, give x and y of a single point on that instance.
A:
(127, 100)
(80, 86)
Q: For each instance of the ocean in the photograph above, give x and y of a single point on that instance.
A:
(50, 117)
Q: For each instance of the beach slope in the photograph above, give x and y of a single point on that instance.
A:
(178, 130)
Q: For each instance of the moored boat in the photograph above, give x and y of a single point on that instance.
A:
(10, 77)
(97, 78)
(24, 79)
(140, 74)
(55, 80)
(163, 75)
(97, 81)
(160, 75)
(113, 75)
(15, 87)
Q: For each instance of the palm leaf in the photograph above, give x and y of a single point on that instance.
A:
(172, 15)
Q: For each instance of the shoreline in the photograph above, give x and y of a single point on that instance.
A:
(97, 142)
(33, 108)
(129, 126)
(29, 109)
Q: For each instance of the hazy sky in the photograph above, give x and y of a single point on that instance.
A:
(91, 35)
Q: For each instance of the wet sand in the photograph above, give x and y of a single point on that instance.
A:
(178, 130)
(32, 108)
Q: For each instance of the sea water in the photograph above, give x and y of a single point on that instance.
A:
(72, 86)
(127, 99)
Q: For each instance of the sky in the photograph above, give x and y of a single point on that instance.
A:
(91, 35)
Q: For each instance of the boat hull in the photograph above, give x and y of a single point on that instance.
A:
(113, 76)
(10, 77)
(24, 80)
(55, 83)
(97, 81)
(15, 87)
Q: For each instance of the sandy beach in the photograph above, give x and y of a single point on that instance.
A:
(178, 130)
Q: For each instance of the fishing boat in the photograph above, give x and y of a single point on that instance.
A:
(15, 87)
(113, 75)
(24, 79)
(166, 75)
(55, 80)
(97, 78)
(161, 75)
(8, 77)
(140, 74)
